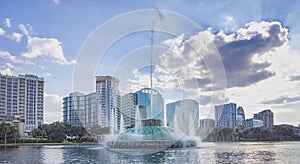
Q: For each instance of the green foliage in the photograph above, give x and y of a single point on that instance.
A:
(57, 131)
(277, 133)
(222, 135)
(7, 132)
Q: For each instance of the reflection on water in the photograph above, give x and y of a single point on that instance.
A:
(55, 154)
(255, 152)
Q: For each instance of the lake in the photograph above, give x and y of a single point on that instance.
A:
(235, 152)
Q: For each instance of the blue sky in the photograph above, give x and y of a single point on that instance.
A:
(45, 38)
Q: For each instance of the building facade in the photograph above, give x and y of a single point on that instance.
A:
(183, 115)
(150, 106)
(225, 115)
(267, 117)
(23, 96)
(128, 107)
(152, 101)
(253, 123)
(240, 117)
(80, 109)
(108, 102)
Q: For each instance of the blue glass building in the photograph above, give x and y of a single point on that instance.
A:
(80, 109)
(108, 102)
(152, 101)
(225, 115)
(240, 117)
(183, 114)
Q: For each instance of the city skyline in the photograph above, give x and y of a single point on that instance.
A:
(265, 76)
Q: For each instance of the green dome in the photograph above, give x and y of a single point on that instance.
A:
(151, 137)
(150, 133)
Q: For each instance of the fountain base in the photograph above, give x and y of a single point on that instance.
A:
(151, 137)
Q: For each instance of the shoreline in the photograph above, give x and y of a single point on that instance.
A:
(44, 144)
(91, 143)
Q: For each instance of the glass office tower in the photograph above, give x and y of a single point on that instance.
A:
(108, 102)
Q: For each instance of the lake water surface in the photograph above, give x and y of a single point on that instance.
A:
(242, 152)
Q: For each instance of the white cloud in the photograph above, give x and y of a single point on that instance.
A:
(7, 55)
(2, 32)
(7, 22)
(229, 23)
(254, 28)
(246, 53)
(50, 47)
(10, 65)
(47, 74)
(12, 58)
(229, 19)
(23, 29)
(16, 37)
(53, 108)
(56, 1)
(6, 71)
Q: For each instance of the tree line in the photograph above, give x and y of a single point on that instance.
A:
(59, 132)
(55, 132)
(277, 133)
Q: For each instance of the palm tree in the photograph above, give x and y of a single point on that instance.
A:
(6, 129)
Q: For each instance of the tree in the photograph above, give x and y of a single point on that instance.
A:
(57, 131)
(8, 132)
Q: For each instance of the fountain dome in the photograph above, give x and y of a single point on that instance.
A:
(157, 137)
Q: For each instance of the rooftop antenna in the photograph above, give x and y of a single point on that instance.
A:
(151, 55)
(151, 63)
(156, 9)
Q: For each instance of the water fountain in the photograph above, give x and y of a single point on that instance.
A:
(151, 133)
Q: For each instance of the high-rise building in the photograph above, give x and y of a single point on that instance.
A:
(267, 117)
(183, 114)
(108, 102)
(141, 100)
(253, 123)
(240, 117)
(152, 101)
(225, 115)
(80, 109)
(128, 106)
(90, 110)
(23, 96)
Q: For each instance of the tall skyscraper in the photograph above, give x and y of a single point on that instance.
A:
(80, 109)
(183, 115)
(267, 117)
(128, 107)
(90, 109)
(108, 102)
(152, 101)
(141, 100)
(225, 115)
(240, 117)
(23, 96)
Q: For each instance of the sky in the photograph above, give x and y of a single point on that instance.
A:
(247, 52)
